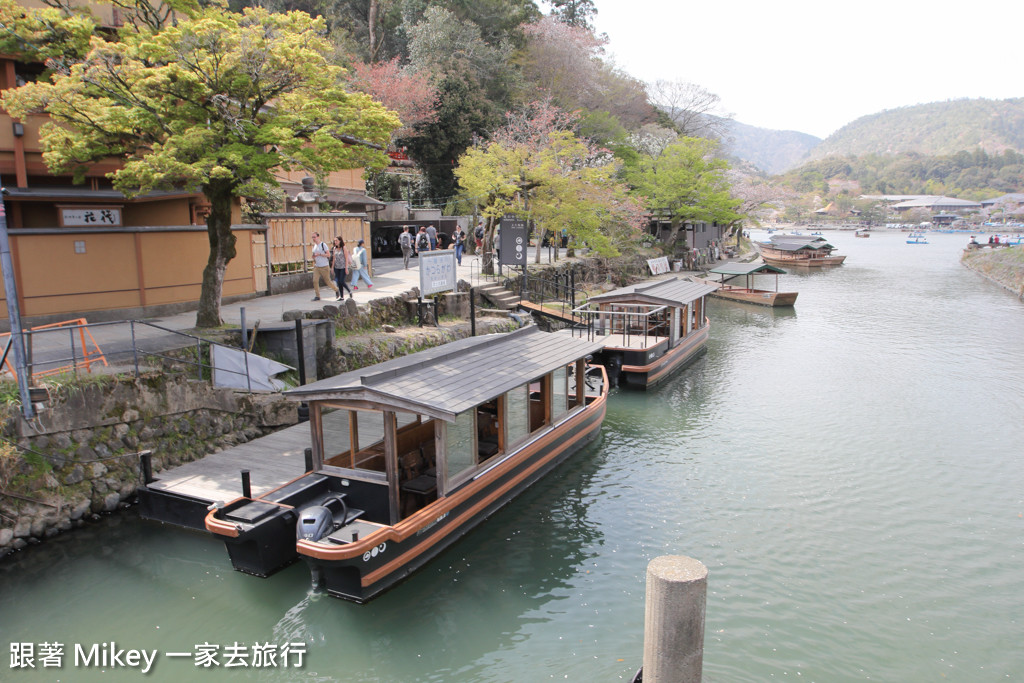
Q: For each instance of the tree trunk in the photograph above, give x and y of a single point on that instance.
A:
(487, 257)
(372, 22)
(673, 235)
(222, 250)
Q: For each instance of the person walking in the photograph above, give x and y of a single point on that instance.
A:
(339, 259)
(459, 238)
(359, 266)
(322, 267)
(432, 236)
(422, 241)
(405, 242)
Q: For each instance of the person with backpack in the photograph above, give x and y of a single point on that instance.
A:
(459, 238)
(405, 242)
(359, 266)
(422, 241)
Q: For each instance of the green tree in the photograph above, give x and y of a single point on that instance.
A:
(213, 102)
(686, 181)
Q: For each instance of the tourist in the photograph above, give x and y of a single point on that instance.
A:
(479, 235)
(432, 236)
(459, 238)
(359, 264)
(422, 241)
(339, 259)
(322, 267)
(405, 242)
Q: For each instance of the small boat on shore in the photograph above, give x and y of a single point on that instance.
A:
(649, 330)
(749, 294)
(803, 252)
(407, 456)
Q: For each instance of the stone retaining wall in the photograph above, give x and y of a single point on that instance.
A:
(81, 455)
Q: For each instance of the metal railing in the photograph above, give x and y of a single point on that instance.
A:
(73, 349)
(632, 321)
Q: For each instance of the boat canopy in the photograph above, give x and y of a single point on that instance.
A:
(669, 292)
(444, 381)
(735, 269)
(791, 243)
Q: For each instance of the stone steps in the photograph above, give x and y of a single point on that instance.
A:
(499, 296)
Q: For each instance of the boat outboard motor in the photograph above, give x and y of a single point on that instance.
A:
(314, 523)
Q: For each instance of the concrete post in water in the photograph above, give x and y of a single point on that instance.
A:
(674, 620)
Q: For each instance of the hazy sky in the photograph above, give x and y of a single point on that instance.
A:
(816, 66)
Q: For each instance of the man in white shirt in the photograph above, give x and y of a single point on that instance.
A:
(322, 266)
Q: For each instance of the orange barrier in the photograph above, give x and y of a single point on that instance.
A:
(86, 353)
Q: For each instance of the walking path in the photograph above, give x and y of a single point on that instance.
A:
(116, 339)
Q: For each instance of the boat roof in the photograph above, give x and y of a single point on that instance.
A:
(446, 380)
(671, 291)
(796, 243)
(745, 269)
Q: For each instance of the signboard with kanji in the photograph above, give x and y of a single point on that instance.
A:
(90, 216)
(658, 265)
(437, 271)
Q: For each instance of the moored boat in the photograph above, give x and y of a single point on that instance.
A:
(806, 252)
(649, 330)
(862, 233)
(750, 294)
(409, 455)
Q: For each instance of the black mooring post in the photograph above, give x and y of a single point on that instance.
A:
(146, 463)
(419, 309)
(300, 351)
(246, 485)
(308, 453)
(472, 312)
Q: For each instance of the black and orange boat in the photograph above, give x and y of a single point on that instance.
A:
(409, 455)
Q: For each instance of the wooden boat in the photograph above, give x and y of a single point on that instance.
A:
(748, 294)
(862, 233)
(804, 252)
(649, 330)
(409, 455)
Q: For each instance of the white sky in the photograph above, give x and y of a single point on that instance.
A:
(815, 66)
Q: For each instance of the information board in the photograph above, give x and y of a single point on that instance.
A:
(515, 237)
(437, 271)
(658, 265)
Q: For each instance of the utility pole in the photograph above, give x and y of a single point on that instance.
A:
(14, 313)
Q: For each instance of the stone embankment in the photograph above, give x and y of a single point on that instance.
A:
(1004, 266)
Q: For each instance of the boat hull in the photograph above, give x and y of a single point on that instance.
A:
(814, 262)
(634, 373)
(759, 297)
(361, 570)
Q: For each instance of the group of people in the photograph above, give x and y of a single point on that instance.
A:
(331, 264)
(427, 240)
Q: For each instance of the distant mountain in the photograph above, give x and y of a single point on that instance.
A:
(936, 129)
(774, 151)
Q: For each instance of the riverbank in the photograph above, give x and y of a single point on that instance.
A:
(1005, 266)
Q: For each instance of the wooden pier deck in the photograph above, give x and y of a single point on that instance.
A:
(272, 461)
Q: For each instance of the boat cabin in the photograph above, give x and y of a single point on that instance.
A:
(648, 329)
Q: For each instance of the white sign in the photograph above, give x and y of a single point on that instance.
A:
(437, 271)
(88, 217)
(658, 265)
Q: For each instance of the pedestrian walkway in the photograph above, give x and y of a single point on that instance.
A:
(117, 340)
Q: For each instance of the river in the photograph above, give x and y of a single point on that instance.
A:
(850, 472)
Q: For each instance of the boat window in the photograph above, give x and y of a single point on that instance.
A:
(540, 397)
(559, 393)
(460, 446)
(488, 430)
(517, 414)
(354, 439)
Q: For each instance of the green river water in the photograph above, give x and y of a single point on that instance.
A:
(851, 472)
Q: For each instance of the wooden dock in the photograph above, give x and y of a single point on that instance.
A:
(272, 461)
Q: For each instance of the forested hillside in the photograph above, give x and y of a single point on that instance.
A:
(935, 129)
(968, 175)
(773, 151)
